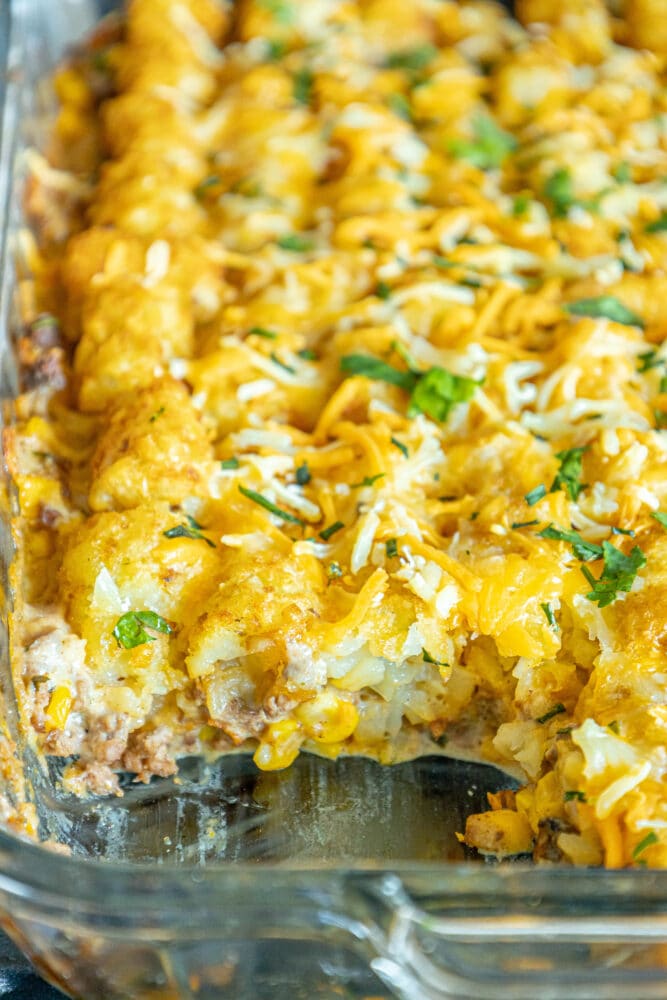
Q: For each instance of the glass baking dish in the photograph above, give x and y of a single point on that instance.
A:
(328, 880)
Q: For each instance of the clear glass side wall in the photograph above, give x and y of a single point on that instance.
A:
(327, 881)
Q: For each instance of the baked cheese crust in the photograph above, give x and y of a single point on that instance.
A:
(345, 409)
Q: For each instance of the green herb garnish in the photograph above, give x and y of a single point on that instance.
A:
(391, 548)
(303, 86)
(618, 574)
(434, 392)
(281, 10)
(438, 391)
(489, 146)
(190, 530)
(622, 173)
(303, 474)
(202, 189)
(403, 448)
(334, 570)
(130, 629)
(660, 517)
(558, 189)
(649, 840)
(307, 354)
(260, 331)
(535, 495)
(400, 105)
(550, 616)
(515, 525)
(267, 504)
(569, 474)
(574, 795)
(520, 205)
(379, 371)
(413, 59)
(583, 550)
(295, 243)
(275, 49)
(368, 480)
(326, 533)
(229, 463)
(556, 710)
(382, 290)
(648, 360)
(659, 225)
(158, 413)
(605, 307)
(430, 659)
(281, 364)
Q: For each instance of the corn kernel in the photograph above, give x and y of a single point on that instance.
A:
(328, 719)
(59, 708)
(279, 746)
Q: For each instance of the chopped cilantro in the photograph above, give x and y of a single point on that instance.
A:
(618, 574)
(260, 331)
(556, 710)
(190, 530)
(474, 515)
(569, 474)
(434, 392)
(334, 570)
(535, 495)
(267, 504)
(391, 548)
(558, 189)
(403, 448)
(660, 517)
(443, 262)
(380, 371)
(307, 354)
(400, 105)
(663, 384)
(413, 59)
(488, 148)
(281, 10)
(622, 173)
(158, 413)
(614, 727)
(229, 463)
(130, 629)
(430, 659)
(202, 189)
(605, 307)
(303, 474)
(648, 360)
(281, 364)
(438, 391)
(659, 225)
(623, 531)
(369, 480)
(550, 616)
(515, 525)
(326, 533)
(303, 86)
(583, 550)
(660, 419)
(649, 840)
(275, 49)
(520, 205)
(382, 290)
(574, 795)
(294, 242)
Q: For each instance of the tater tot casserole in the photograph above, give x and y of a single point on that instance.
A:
(343, 424)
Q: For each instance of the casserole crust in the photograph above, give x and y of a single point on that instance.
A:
(344, 397)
